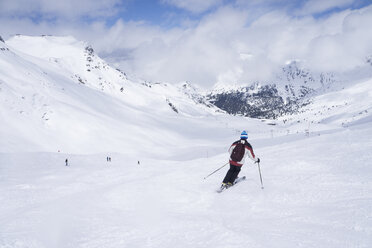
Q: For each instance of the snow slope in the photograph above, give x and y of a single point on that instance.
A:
(317, 194)
(315, 165)
(346, 107)
(75, 107)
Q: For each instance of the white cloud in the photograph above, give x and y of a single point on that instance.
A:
(346, 49)
(211, 52)
(195, 6)
(224, 46)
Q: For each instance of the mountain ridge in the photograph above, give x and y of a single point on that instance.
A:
(59, 95)
(62, 85)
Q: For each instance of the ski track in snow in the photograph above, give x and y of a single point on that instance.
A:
(318, 193)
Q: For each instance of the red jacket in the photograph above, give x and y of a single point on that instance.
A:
(248, 151)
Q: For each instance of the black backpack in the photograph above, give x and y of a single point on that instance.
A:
(238, 152)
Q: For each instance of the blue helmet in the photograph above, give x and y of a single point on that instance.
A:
(244, 135)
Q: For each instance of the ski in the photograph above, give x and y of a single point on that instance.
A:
(238, 180)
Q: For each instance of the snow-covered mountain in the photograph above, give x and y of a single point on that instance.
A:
(286, 94)
(291, 89)
(68, 97)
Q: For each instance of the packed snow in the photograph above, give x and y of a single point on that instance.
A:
(315, 166)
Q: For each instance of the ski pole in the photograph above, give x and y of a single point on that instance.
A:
(259, 170)
(216, 170)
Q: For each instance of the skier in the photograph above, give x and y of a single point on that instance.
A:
(66, 161)
(239, 150)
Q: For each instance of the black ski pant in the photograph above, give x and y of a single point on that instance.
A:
(232, 174)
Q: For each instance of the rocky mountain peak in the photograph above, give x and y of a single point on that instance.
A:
(285, 94)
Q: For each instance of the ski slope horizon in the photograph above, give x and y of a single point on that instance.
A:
(315, 165)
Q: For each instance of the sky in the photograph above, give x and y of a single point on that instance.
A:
(208, 42)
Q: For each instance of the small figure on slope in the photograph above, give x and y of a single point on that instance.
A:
(239, 150)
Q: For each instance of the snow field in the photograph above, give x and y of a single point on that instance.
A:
(317, 194)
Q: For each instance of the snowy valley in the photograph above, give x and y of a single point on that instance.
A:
(59, 100)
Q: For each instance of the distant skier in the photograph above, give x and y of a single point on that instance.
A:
(138, 162)
(239, 150)
(66, 161)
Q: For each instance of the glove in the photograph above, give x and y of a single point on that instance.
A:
(258, 160)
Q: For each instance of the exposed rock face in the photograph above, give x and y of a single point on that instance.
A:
(255, 101)
(286, 94)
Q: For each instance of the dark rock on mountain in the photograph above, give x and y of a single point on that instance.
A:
(285, 94)
(368, 59)
(89, 50)
(263, 102)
